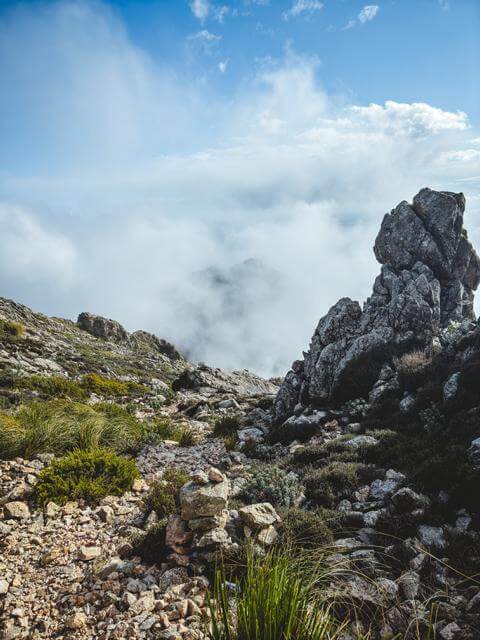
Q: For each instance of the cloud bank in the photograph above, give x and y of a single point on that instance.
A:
(226, 226)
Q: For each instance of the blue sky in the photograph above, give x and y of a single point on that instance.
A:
(150, 147)
(407, 51)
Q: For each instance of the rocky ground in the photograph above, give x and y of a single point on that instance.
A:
(376, 433)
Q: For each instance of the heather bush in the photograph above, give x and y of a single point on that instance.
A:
(225, 426)
(305, 529)
(85, 475)
(412, 369)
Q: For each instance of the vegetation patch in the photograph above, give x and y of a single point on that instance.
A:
(163, 495)
(306, 529)
(85, 475)
(224, 426)
(11, 330)
(59, 426)
(102, 386)
(271, 484)
(276, 600)
(52, 386)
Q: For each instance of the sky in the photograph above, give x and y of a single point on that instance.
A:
(216, 172)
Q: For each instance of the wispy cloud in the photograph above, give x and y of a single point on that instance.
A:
(302, 6)
(366, 14)
(205, 35)
(444, 5)
(222, 65)
(200, 9)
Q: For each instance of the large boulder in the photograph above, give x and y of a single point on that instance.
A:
(428, 275)
(103, 328)
(203, 500)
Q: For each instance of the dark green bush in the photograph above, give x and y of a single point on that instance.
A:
(159, 429)
(271, 484)
(304, 529)
(85, 475)
(163, 495)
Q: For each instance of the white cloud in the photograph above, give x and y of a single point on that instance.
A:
(200, 9)
(127, 211)
(221, 12)
(301, 6)
(462, 155)
(413, 119)
(31, 255)
(444, 5)
(205, 35)
(222, 66)
(368, 13)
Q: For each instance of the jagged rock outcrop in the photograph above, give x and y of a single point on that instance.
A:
(429, 273)
(149, 341)
(104, 328)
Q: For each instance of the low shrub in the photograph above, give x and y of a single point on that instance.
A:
(225, 425)
(52, 386)
(102, 386)
(336, 480)
(163, 495)
(58, 426)
(304, 529)
(276, 600)
(10, 330)
(85, 475)
(271, 484)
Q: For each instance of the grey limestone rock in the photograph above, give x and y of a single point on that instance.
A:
(428, 275)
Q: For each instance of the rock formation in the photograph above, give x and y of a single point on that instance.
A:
(428, 276)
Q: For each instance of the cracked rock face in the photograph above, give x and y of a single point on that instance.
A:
(428, 277)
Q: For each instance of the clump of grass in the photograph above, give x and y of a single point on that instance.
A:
(58, 426)
(305, 529)
(336, 480)
(102, 386)
(224, 426)
(11, 330)
(85, 475)
(163, 495)
(154, 431)
(52, 386)
(271, 484)
(277, 600)
(187, 437)
(413, 368)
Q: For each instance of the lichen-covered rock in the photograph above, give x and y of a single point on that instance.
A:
(428, 276)
(258, 516)
(203, 500)
(103, 328)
